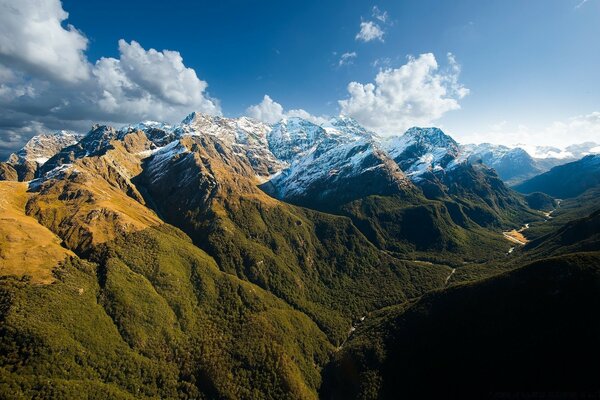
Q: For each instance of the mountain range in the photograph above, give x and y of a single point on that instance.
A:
(229, 258)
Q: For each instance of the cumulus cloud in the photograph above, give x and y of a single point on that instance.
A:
(47, 83)
(347, 58)
(369, 31)
(270, 112)
(267, 110)
(150, 84)
(33, 39)
(417, 93)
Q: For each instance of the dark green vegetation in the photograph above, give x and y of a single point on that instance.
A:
(527, 330)
(540, 201)
(568, 180)
(459, 222)
(320, 264)
(153, 316)
(524, 324)
(567, 210)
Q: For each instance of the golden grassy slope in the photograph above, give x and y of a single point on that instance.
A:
(95, 201)
(26, 247)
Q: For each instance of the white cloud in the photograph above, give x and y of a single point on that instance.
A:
(417, 93)
(369, 31)
(560, 134)
(162, 74)
(267, 111)
(581, 4)
(32, 39)
(347, 58)
(380, 15)
(150, 83)
(46, 81)
(270, 111)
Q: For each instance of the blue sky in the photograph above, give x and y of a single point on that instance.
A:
(529, 66)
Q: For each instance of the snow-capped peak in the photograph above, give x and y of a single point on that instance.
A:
(347, 125)
(420, 150)
(40, 148)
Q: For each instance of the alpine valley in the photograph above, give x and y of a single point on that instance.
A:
(228, 258)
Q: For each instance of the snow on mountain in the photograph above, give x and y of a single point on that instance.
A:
(294, 137)
(511, 164)
(422, 150)
(348, 125)
(246, 136)
(320, 157)
(41, 148)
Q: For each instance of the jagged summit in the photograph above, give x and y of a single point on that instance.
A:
(511, 164)
(348, 125)
(422, 150)
(40, 148)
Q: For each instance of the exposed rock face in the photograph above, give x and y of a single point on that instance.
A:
(88, 197)
(41, 148)
(332, 165)
(8, 172)
(511, 164)
(27, 161)
(422, 150)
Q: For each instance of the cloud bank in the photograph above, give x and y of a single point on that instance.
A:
(578, 129)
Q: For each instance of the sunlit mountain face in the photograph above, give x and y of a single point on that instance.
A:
(299, 200)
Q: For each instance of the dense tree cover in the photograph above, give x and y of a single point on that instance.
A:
(540, 201)
(153, 316)
(440, 232)
(567, 210)
(527, 331)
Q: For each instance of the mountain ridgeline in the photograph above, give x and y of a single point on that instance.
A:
(568, 180)
(228, 258)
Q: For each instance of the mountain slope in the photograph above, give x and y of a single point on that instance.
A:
(176, 276)
(24, 164)
(41, 148)
(529, 330)
(200, 185)
(153, 316)
(569, 180)
(511, 164)
(26, 247)
(331, 165)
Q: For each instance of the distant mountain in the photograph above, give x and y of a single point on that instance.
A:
(568, 153)
(335, 168)
(331, 165)
(568, 180)
(41, 148)
(24, 164)
(511, 164)
(516, 164)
